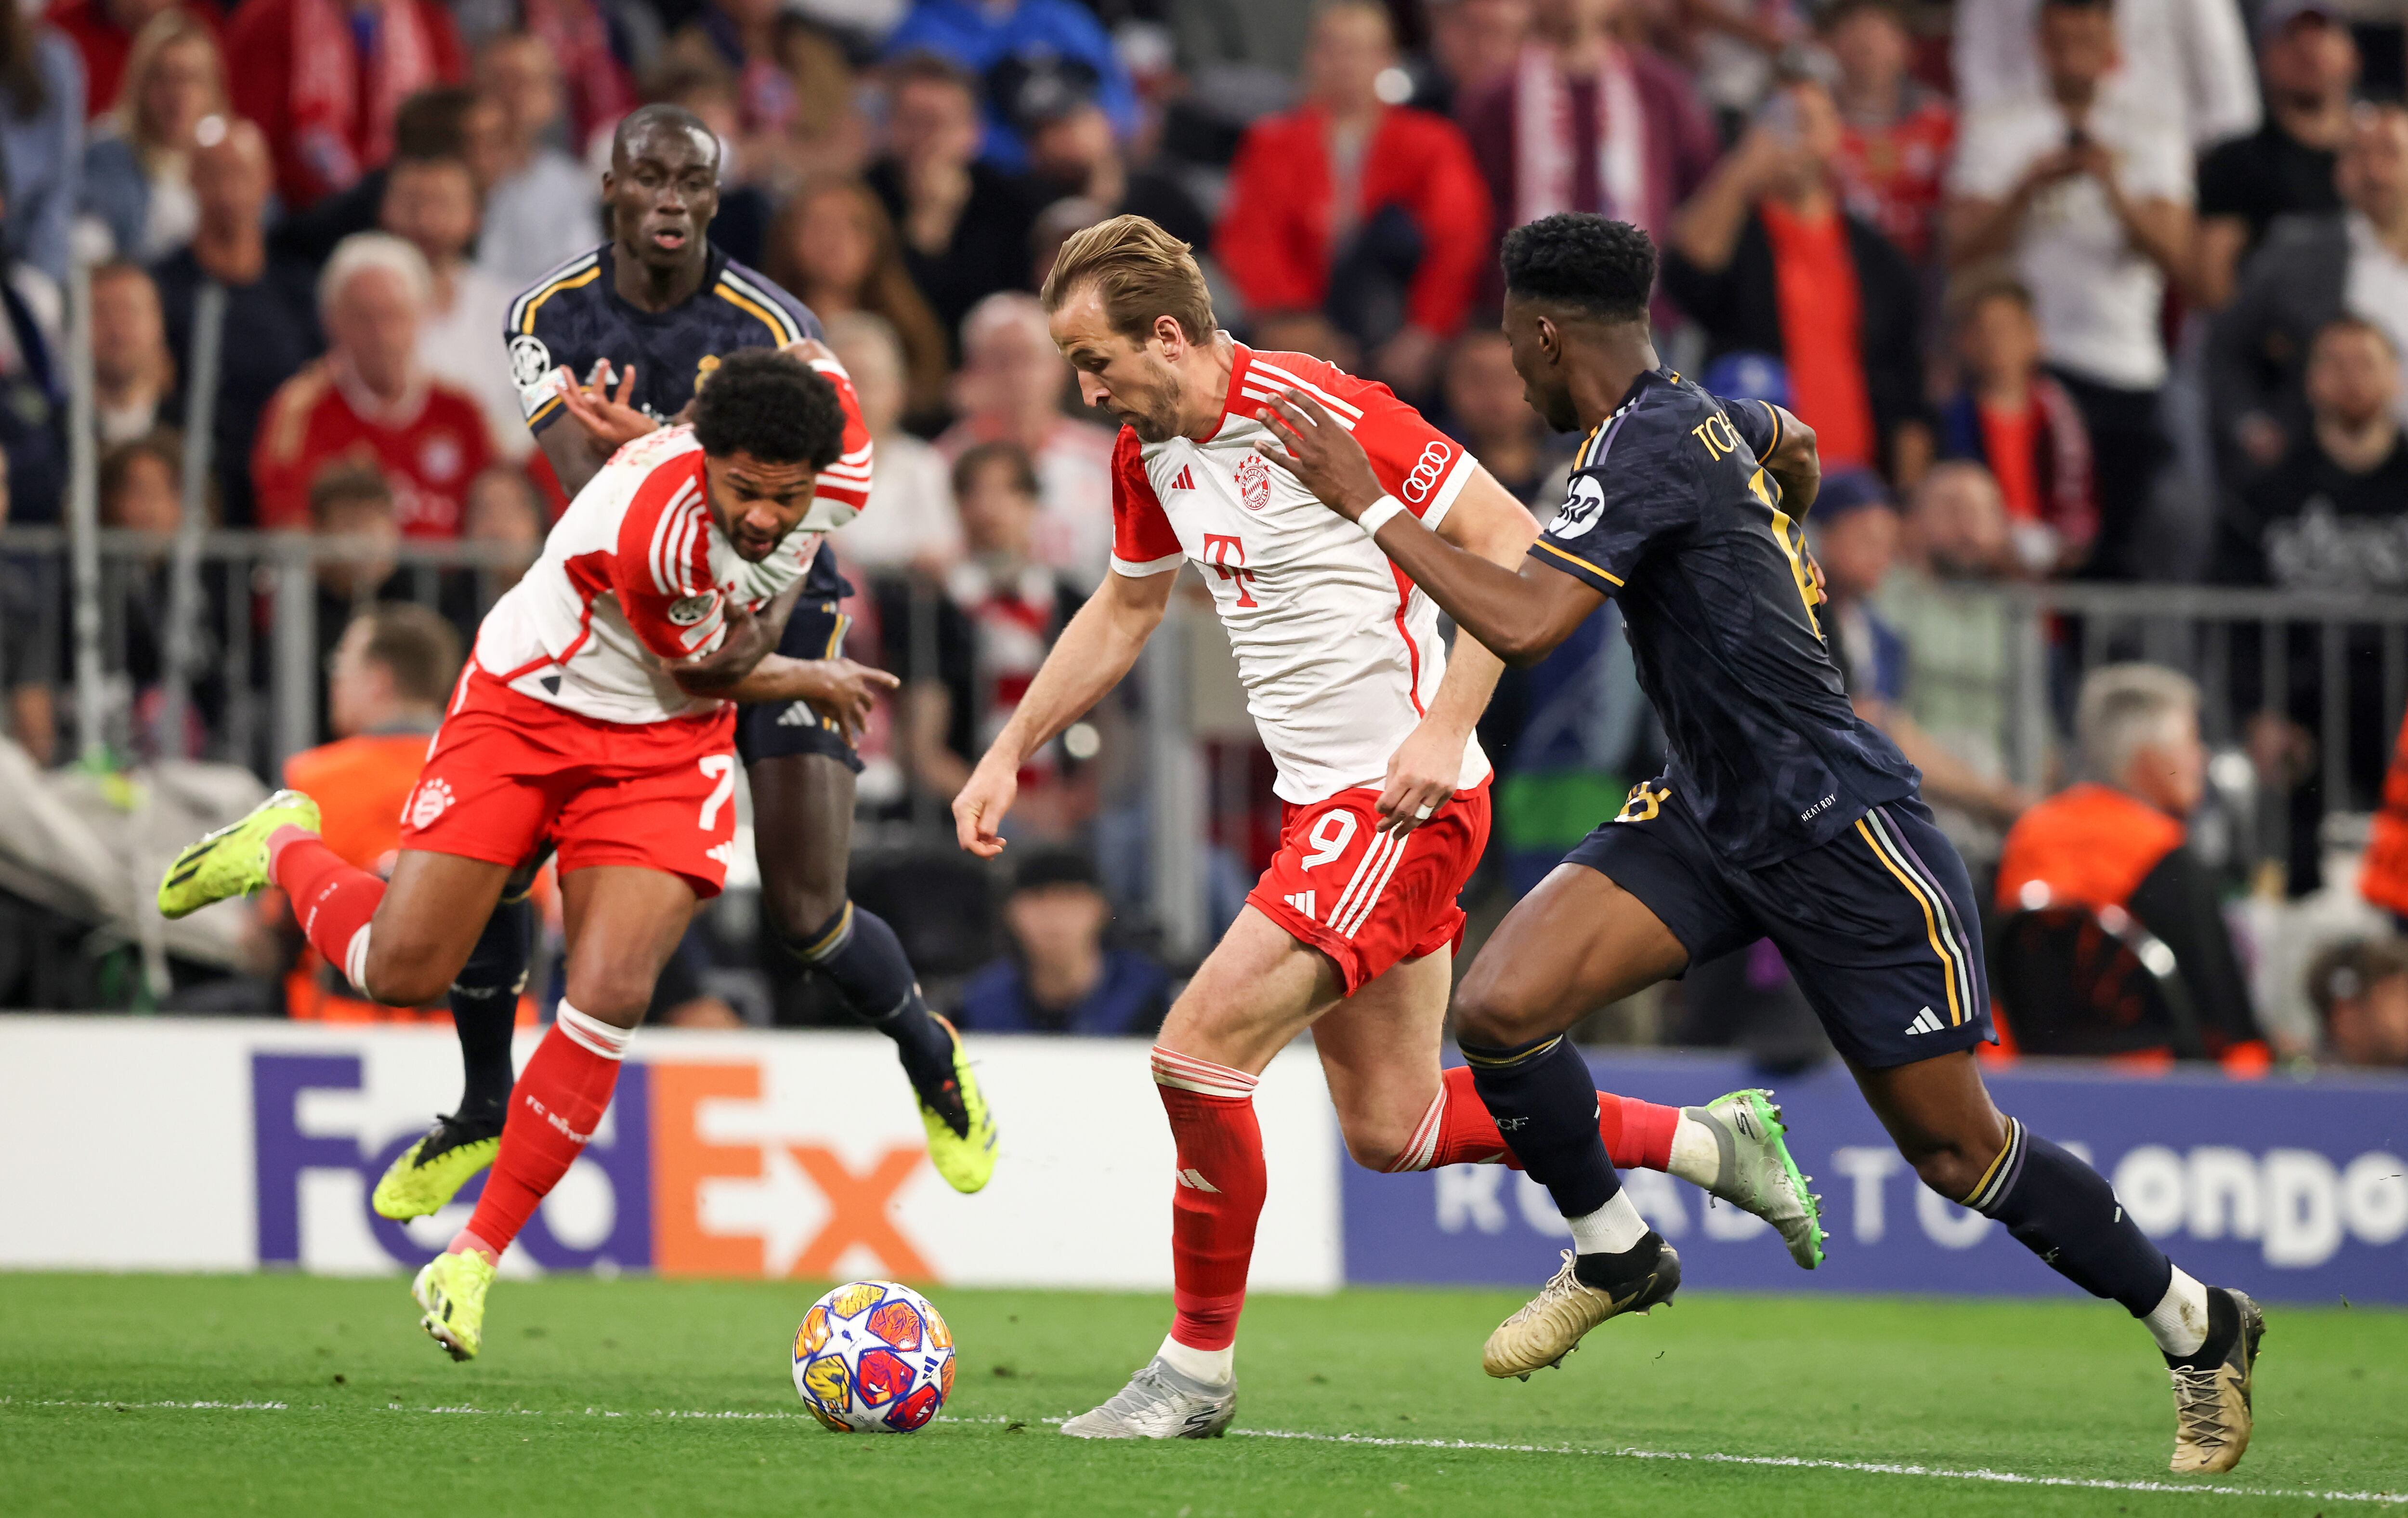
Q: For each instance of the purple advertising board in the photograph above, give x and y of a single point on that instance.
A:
(2293, 1190)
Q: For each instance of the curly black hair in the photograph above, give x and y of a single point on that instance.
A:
(1606, 269)
(771, 405)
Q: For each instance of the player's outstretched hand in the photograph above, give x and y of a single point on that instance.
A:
(1421, 777)
(977, 811)
(847, 693)
(1320, 452)
(609, 422)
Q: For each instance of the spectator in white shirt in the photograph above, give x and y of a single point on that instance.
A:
(543, 209)
(1010, 389)
(2189, 56)
(431, 204)
(2087, 189)
(911, 523)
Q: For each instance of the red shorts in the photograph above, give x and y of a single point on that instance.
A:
(505, 770)
(1366, 900)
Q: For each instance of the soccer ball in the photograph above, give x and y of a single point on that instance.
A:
(873, 1357)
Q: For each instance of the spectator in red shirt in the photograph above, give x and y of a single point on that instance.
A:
(1371, 214)
(370, 401)
(103, 33)
(2011, 417)
(1895, 134)
(1767, 260)
(328, 112)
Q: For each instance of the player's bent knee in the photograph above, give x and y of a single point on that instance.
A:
(1953, 1170)
(1373, 1143)
(406, 974)
(1488, 1016)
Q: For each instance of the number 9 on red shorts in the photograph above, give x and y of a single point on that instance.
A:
(1368, 899)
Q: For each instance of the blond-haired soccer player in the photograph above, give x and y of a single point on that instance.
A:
(1352, 929)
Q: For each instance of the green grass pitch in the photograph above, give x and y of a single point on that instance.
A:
(97, 1375)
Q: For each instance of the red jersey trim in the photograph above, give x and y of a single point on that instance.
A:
(1412, 649)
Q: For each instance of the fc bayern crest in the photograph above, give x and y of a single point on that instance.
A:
(690, 610)
(1254, 482)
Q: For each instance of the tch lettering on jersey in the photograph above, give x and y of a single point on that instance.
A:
(1718, 435)
(1226, 553)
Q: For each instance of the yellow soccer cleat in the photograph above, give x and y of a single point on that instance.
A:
(1567, 1308)
(233, 860)
(965, 1159)
(452, 1290)
(431, 1171)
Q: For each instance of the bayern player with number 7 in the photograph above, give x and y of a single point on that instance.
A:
(1352, 929)
(590, 714)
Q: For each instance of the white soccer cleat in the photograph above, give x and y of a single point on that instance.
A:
(1160, 1402)
(1757, 1175)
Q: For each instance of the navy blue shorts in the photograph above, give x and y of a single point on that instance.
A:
(1879, 926)
(776, 729)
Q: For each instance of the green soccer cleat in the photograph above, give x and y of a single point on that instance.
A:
(431, 1171)
(233, 860)
(452, 1290)
(966, 1159)
(1756, 1174)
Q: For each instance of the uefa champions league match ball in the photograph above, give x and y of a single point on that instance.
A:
(873, 1357)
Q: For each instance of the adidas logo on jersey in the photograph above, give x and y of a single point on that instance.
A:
(1925, 1021)
(1186, 480)
(1194, 1180)
(798, 714)
(722, 852)
(1302, 901)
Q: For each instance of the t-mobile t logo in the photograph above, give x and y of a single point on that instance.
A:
(1226, 553)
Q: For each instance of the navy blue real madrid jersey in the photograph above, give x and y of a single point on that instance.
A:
(574, 317)
(1672, 515)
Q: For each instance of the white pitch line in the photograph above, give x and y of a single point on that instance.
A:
(1786, 1462)
(1795, 1462)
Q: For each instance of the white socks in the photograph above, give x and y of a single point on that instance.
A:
(1614, 1228)
(2179, 1324)
(1697, 1154)
(1213, 1368)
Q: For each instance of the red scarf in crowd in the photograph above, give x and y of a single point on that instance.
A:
(343, 111)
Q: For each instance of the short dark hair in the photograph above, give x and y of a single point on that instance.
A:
(1007, 453)
(347, 484)
(922, 65)
(420, 649)
(769, 404)
(434, 122)
(2352, 321)
(1604, 267)
(2347, 971)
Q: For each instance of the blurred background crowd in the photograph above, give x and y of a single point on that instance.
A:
(2098, 308)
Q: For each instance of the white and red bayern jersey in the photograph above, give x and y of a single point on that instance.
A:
(1339, 650)
(635, 575)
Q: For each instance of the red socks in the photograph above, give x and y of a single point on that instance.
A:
(559, 1097)
(1219, 1196)
(1457, 1130)
(334, 900)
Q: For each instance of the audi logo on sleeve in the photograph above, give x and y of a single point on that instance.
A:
(1428, 471)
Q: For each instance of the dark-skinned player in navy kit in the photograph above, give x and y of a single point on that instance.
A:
(604, 349)
(1782, 815)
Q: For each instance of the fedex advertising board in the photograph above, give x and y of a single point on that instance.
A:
(174, 1144)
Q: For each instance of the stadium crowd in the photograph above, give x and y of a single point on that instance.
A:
(2067, 290)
